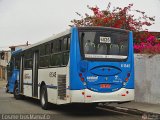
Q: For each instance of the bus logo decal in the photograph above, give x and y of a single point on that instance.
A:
(92, 78)
(27, 76)
(116, 76)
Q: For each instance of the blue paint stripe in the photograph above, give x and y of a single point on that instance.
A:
(51, 86)
(48, 86)
(27, 83)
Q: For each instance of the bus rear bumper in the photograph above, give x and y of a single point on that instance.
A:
(88, 96)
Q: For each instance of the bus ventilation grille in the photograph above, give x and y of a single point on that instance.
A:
(62, 86)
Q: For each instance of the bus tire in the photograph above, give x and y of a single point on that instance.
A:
(16, 92)
(44, 97)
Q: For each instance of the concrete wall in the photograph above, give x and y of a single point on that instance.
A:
(147, 78)
(3, 65)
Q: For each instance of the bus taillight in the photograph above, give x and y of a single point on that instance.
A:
(128, 75)
(126, 79)
(81, 77)
(123, 94)
(88, 96)
(80, 74)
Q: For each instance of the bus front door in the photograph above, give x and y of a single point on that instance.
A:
(21, 74)
(35, 75)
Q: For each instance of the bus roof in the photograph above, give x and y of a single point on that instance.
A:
(16, 52)
(49, 39)
(102, 28)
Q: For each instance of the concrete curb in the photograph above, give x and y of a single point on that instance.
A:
(129, 110)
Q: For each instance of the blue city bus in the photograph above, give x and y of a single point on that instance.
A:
(80, 65)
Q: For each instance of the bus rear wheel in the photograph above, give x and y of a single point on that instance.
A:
(16, 92)
(44, 98)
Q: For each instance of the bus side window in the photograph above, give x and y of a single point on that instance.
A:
(28, 63)
(56, 60)
(64, 44)
(17, 62)
(59, 60)
(28, 58)
(46, 49)
(65, 58)
(44, 61)
(68, 43)
(52, 49)
(42, 49)
(65, 54)
(57, 46)
(60, 51)
(52, 60)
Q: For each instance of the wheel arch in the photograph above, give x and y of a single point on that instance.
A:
(41, 85)
(43, 88)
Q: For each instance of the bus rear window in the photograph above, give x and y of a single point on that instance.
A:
(104, 44)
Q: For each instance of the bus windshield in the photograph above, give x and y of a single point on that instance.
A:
(104, 44)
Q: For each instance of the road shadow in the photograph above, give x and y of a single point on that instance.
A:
(70, 111)
(73, 109)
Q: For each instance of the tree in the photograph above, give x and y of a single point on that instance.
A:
(119, 18)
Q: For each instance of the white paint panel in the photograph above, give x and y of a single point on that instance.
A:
(101, 97)
(27, 76)
(77, 96)
(28, 90)
(51, 95)
(50, 79)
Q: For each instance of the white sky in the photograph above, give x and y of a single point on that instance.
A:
(34, 20)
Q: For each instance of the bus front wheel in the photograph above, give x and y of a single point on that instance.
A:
(7, 89)
(44, 98)
(16, 92)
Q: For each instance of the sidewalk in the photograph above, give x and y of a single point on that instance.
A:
(3, 83)
(2, 86)
(136, 108)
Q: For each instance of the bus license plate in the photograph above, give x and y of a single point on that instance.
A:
(105, 86)
(105, 39)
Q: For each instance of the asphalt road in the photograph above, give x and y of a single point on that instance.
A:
(29, 108)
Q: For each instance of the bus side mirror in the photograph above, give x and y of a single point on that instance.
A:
(9, 71)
